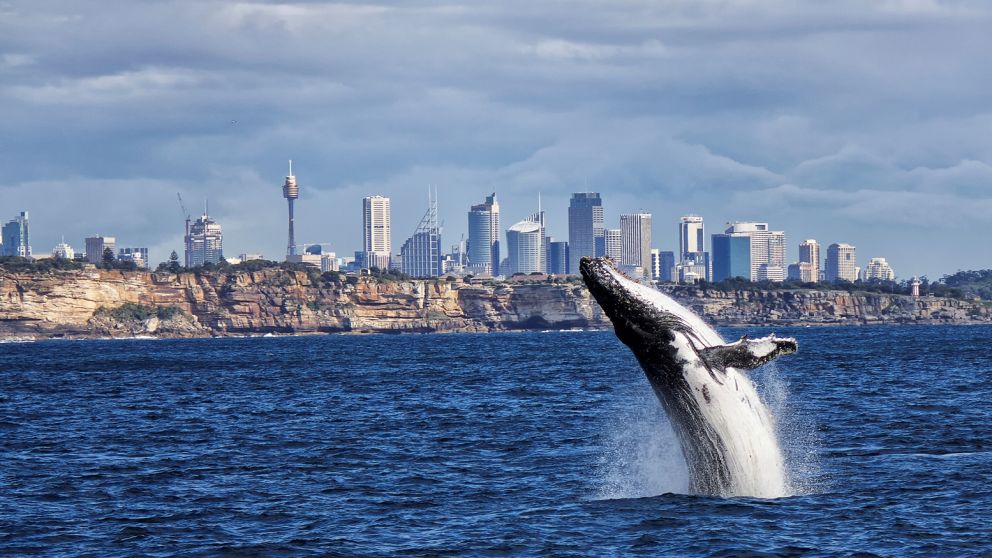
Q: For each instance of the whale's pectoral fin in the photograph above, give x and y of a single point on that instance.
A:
(748, 353)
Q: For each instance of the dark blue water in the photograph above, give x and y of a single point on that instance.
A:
(449, 445)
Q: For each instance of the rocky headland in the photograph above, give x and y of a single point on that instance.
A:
(109, 303)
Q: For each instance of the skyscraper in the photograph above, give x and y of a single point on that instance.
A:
(804, 272)
(483, 237)
(15, 237)
(731, 255)
(97, 245)
(291, 192)
(809, 253)
(557, 257)
(421, 253)
(205, 242)
(377, 244)
(878, 269)
(543, 247)
(767, 257)
(774, 268)
(691, 237)
(842, 263)
(666, 263)
(635, 240)
(586, 235)
(524, 246)
(693, 259)
(613, 243)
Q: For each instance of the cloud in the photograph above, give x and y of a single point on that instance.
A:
(866, 121)
(140, 85)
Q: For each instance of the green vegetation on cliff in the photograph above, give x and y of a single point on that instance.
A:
(963, 285)
(133, 312)
(971, 283)
(17, 264)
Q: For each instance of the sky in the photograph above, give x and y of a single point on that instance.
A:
(848, 121)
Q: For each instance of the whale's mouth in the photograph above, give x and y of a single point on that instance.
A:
(602, 279)
(630, 312)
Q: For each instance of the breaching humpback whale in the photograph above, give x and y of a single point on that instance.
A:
(726, 432)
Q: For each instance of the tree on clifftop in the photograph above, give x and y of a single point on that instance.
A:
(174, 266)
(108, 258)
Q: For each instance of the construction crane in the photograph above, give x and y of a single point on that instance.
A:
(182, 206)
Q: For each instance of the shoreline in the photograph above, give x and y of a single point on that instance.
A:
(112, 304)
(13, 340)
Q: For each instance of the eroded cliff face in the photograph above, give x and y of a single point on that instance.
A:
(827, 307)
(65, 303)
(277, 301)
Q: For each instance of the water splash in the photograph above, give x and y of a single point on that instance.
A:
(641, 455)
(796, 432)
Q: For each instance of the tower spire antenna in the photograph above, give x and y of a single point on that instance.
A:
(291, 192)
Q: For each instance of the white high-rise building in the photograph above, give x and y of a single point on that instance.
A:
(804, 272)
(842, 263)
(774, 269)
(377, 245)
(693, 260)
(63, 250)
(809, 253)
(420, 255)
(635, 241)
(691, 237)
(205, 242)
(483, 237)
(879, 269)
(614, 244)
(543, 246)
(655, 264)
(767, 250)
(524, 246)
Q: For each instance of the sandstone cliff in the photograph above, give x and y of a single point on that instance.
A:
(827, 307)
(66, 303)
(79, 304)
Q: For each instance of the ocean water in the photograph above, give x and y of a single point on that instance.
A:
(535, 444)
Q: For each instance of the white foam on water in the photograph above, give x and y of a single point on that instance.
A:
(641, 455)
(17, 340)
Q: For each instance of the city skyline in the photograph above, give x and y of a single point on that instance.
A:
(859, 123)
(628, 245)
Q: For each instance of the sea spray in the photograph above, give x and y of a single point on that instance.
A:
(795, 430)
(641, 455)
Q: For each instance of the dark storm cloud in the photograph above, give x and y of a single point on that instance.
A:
(843, 121)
